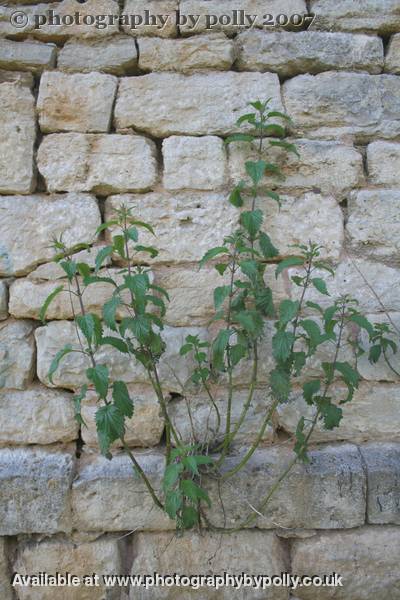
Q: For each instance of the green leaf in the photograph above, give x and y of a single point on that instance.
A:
(190, 517)
(279, 115)
(237, 353)
(210, 254)
(221, 267)
(173, 503)
(185, 349)
(148, 249)
(267, 248)
(313, 331)
(255, 170)
(299, 361)
(194, 492)
(86, 324)
(239, 137)
(235, 197)
(98, 375)
(310, 389)
(282, 343)
(279, 381)
(375, 353)
(122, 399)
(57, 359)
(252, 220)
(109, 312)
(48, 301)
(83, 269)
(250, 269)
(247, 118)
(137, 284)
(274, 129)
(101, 256)
(115, 343)
(274, 196)
(288, 310)
(110, 426)
(332, 415)
(190, 464)
(300, 446)
(132, 234)
(287, 146)
(219, 347)
(220, 295)
(349, 375)
(363, 322)
(69, 267)
(106, 225)
(119, 245)
(171, 475)
(251, 321)
(264, 302)
(320, 285)
(143, 225)
(78, 405)
(292, 261)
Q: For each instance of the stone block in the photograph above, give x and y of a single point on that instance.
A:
(116, 55)
(17, 354)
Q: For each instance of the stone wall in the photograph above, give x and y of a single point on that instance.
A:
(91, 118)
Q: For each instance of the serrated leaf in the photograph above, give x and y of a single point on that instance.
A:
(375, 353)
(291, 148)
(147, 249)
(218, 349)
(251, 221)
(332, 415)
(282, 343)
(310, 389)
(190, 517)
(292, 261)
(255, 170)
(122, 399)
(173, 503)
(99, 376)
(48, 301)
(267, 248)
(239, 137)
(57, 359)
(185, 349)
(115, 343)
(171, 475)
(109, 312)
(192, 491)
(247, 118)
(288, 310)
(235, 197)
(320, 285)
(69, 267)
(264, 302)
(249, 268)
(210, 254)
(363, 322)
(77, 398)
(349, 375)
(237, 353)
(220, 295)
(101, 257)
(110, 426)
(279, 381)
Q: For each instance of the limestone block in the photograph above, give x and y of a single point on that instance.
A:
(102, 556)
(373, 226)
(166, 8)
(3, 301)
(329, 167)
(204, 418)
(5, 587)
(383, 163)
(214, 51)
(17, 354)
(372, 16)
(38, 219)
(72, 370)
(204, 8)
(35, 490)
(144, 429)
(37, 416)
(335, 471)
(380, 371)
(335, 104)
(209, 553)
(76, 102)
(373, 414)
(290, 54)
(194, 163)
(373, 549)
(186, 224)
(155, 103)
(103, 164)
(382, 462)
(116, 55)
(392, 60)
(108, 496)
(27, 56)
(17, 137)
(89, 19)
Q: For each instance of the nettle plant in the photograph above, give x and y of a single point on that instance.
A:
(133, 320)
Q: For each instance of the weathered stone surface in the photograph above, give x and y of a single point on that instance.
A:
(373, 549)
(209, 553)
(204, 417)
(155, 103)
(226, 7)
(392, 60)
(384, 163)
(17, 354)
(3, 301)
(34, 496)
(194, 163)
(103, 164)
(37, 416)
(166, 8)
(116, 55)
(38, 219)
(372, 414)
(71, 18)
(27, 56)
(328, 167)
(382, 462)
(290, 54)
(72, 371)
(335, 471)
(17, 138)
(144, 429)
(214, 51)
(380, 371)
(108, 496)
(186, 224)
(336, 104)
(51, 271)
(372, 16)
(76, 102)
(5, 587)
(102, 557)
(373, 225)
